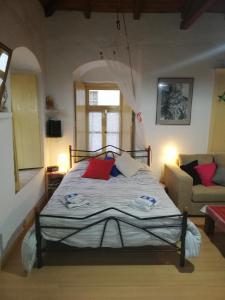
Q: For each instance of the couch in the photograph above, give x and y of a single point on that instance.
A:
(179, 184)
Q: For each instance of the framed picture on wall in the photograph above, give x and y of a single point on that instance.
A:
(174, 100)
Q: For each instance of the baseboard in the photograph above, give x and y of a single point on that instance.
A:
(21, 230)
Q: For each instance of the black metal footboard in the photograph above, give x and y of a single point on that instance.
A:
(182, 224)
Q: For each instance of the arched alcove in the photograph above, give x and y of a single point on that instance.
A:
(83, 69)
(98, 70)
(24, 59)
(100, 78)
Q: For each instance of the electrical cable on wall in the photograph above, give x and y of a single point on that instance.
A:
(118, 58)
(127, 46)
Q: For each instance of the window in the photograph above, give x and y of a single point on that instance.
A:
(102, 117)
(104, 120)
(95, 130)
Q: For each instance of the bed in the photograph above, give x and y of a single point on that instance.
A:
(112, 219)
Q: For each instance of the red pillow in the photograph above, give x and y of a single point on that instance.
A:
(99, 169)
(206, 173)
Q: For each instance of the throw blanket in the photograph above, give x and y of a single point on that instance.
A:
(192, 241)
(28, 250)
(192, 246)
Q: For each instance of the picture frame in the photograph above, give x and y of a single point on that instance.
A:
(174, 101)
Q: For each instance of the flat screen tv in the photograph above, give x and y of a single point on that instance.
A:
(5, 57)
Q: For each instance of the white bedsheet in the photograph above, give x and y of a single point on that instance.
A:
(118, 192)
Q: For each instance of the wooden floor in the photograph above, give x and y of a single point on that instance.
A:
(149, 276)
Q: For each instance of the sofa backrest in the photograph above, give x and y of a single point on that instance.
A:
(219, 158)
(184, 159)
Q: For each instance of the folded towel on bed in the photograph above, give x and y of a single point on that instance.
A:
(74, 200)
(145, 202)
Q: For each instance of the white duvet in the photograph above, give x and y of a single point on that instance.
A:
(118, 192)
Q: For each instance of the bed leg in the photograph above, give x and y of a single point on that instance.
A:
(149, 158)
(182, 239)
(209, 225)
(38, 239)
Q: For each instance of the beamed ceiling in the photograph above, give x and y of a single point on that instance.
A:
(190, 10)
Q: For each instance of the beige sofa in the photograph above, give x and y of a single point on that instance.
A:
(180, 187)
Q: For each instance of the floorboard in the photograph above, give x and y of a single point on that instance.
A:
(133, 276)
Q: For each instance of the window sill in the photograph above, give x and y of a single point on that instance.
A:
(5, 115)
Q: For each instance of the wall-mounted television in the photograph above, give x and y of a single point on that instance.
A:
(5, 57)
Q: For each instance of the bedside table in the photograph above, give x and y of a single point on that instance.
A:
(163, 186)
(53, 179)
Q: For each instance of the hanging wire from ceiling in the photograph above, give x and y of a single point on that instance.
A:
(128, 48)
(118, 21)
(128, 53)
(118, 25)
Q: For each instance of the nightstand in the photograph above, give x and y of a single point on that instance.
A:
(53, 179)
(163, 186)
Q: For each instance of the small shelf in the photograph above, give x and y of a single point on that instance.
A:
(5, 115)
(51, 112)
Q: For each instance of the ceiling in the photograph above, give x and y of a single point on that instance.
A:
(190, 10)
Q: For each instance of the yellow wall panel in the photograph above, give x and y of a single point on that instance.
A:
(26, 120)
(80, 123)
(217, 128)
(126, 126)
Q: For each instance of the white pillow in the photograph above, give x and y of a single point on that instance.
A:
(144, 167)
(127, 165)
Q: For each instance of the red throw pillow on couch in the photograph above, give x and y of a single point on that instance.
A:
(99, 169)
(206, 173)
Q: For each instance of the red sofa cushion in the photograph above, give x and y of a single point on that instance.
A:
(206, 173)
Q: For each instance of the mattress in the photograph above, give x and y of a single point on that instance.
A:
(118, 192)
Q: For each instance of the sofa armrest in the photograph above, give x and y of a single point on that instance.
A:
(179, 186)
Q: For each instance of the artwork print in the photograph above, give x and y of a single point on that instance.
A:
(174, 101)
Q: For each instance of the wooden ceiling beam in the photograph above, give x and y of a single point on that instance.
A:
(193, 10)
(186, 8)
(87, 9)
(138, 7)
(50, 7)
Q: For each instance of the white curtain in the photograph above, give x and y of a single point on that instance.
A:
(119, 62)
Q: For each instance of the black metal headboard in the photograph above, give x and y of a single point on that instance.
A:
(80, 155)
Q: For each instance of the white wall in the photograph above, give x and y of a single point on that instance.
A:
(160, 49)
(20, 25)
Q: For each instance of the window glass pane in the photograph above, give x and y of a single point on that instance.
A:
(104, 97)
(95, 121)
(93, 97)
(3, 61)
(95, 141)
(113, 122)
(112, 139)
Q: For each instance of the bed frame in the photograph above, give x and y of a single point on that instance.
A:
(80, 155)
